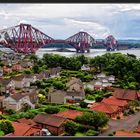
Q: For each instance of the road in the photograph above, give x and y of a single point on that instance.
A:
(128, 124)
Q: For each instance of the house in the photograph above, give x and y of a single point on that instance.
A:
(98, 84)
(22, 129)
(39, 76)
(53, 123)
(86, 67)
(125, 94)
(6, 70)
(74, 96)
(75, 84)
(7, 85)
(45, 74)
(60, 96)
(54, 72)
(111, 110)
(27, 121)
(17, 67)
(29, 78)
(111, 78)
(56, 96)
(18, 100)
(69, 114)
(114, 101)
(27, 64)
(20, 81)
(100, 75)
(125, 133)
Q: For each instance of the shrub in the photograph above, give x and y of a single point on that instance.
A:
(111, 134)
(92, 133)
(6, 126)
(83, 104)
(10, 111)
(71, 127)
(52, 110)
(2, 133)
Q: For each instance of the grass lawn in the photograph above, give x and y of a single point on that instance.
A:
(79, 134)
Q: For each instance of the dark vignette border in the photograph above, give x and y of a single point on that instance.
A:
(70, 138)
(70, 1)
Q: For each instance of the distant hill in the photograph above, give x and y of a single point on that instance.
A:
(57, 45)
(129, 41)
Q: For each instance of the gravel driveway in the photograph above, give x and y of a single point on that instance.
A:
(129, 123)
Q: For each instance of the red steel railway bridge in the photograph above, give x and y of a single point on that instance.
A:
(24, 38)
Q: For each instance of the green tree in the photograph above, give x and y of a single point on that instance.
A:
(58, 85)
(6, 126)
(96, 119)
(27, 71)
(34, 58)
(92, 133)
(71, 127)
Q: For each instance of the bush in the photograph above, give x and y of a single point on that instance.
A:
(10, 111)
(71, 127)
(6, 126)
(82, 128)
(2, 133)
(111, 134)
(52, 110)
(83, 104)
(92, 133)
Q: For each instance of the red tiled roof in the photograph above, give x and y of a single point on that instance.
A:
(124, 133)
(26, 121)
(21, 129)
(49, 120)
(106, 108)
(138, 94)
(125, 94)
(69, 114)
(114, 101)
(138, 129)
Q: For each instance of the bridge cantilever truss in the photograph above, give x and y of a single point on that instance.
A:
(111, 43)
(82, 41)
(27, 39)
(24, 38)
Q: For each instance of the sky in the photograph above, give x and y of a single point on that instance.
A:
(61, 21)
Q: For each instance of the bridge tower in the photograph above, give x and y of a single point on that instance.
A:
(111, 43)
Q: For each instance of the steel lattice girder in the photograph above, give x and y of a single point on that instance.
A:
(82, 39)
(24, 38)
(110, 42)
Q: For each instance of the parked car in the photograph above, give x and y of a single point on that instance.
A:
(45, 132)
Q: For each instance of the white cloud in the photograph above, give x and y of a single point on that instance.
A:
(95, 29)
(63, 20)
